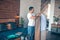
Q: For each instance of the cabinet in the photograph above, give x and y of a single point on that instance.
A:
(55, 28)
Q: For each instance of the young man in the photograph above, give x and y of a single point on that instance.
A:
(31, 24)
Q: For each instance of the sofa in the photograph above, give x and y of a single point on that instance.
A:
(11, 34)
(55, 28)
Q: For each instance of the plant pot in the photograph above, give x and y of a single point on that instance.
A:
(56, 22)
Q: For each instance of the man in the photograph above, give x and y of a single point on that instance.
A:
(43, 26)
(31, 24)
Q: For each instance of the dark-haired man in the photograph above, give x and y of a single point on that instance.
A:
(31, 24)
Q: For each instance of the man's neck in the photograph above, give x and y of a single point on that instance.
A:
(30, 12)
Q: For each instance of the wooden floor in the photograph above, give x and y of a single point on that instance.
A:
(52, 36)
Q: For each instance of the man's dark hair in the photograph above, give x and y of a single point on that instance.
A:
(30, 8)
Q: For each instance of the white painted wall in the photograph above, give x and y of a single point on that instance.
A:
(51, 13)
(24, 8)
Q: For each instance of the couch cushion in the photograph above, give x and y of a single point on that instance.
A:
(13, 25)
(3, 27)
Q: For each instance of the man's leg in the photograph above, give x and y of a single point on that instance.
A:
(30, 33)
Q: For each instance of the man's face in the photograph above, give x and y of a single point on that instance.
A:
(32, 10)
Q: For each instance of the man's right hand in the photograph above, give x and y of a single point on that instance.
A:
(32, 17)
(38, 14)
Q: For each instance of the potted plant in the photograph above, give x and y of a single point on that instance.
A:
(21, 22)
(56, 19)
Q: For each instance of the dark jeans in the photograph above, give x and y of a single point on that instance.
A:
(31, 32)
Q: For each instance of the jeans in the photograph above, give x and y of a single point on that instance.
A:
(31, 32)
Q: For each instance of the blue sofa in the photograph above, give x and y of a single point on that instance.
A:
(6, 34)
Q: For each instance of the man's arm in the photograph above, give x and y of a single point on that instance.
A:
(33, 17)
(38, 15)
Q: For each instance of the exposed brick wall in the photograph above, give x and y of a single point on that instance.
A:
(56, 9)
(9, 8)
(6, 20)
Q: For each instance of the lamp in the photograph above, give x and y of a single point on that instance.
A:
(17, 17)
(17, 20)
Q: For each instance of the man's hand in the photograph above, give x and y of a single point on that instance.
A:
(32, 17)
(38, 14)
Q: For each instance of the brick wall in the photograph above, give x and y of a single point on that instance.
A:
(9, 8)
(56, 9)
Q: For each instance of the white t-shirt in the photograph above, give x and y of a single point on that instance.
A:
(31, 22)
(43, 22)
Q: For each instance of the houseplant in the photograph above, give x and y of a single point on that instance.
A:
(56, 19)
(21, 21)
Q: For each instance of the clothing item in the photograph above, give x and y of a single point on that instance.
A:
(43, 35)
(31, 21)
(43, 22)
(31, 32)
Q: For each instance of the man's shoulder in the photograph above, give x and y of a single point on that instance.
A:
(29, 14)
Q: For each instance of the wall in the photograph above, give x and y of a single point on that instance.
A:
(9, 9)
(51, 13)
(57, 10)
(24, 6)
